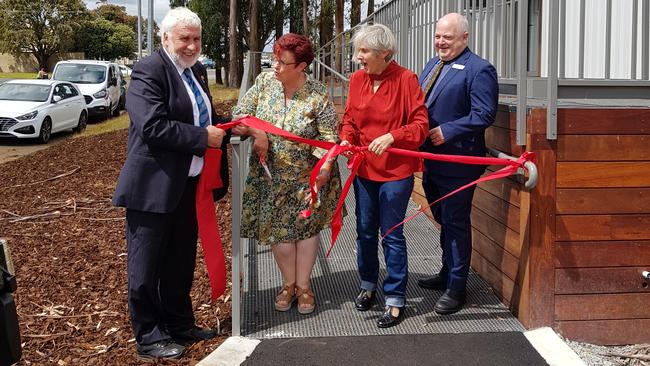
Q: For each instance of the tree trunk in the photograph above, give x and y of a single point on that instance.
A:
(371, 7)
(305, 18)
(325, 30)
(355, 13)
(253, 40)
(339, 29)
(279, 18)
(233, 74)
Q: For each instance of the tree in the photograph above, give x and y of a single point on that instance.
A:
(233, 71)
(253, 39)
(214, 24)
(371, 7)
(42, 28)
(355, 13)
(339, 29)
(105, 40)
(278, 15)
(177, 3)
(305, 18)
(326, 27)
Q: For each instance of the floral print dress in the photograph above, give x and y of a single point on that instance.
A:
(271, 208)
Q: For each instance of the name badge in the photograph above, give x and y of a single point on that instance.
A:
(458, 66)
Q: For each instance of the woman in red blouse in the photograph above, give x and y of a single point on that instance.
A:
(385, 109)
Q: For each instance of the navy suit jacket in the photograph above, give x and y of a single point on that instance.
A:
(464, 104)
(162, 137)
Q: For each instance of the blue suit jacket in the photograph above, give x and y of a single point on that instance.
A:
(464, 104)
(162, 137)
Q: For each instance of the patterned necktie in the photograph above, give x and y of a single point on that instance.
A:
(204, 116)
(433, 78)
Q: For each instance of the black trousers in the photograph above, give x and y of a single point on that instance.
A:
(161, 260)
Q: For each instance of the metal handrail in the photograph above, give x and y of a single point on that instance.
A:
(531, 168)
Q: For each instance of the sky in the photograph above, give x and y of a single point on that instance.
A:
(160, 7)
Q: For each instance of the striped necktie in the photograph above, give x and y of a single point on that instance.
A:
(433, 78)
(204, 115)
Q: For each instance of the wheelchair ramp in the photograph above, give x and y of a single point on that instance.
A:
(335, 283)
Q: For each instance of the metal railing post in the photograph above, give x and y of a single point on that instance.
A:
(236, 199)
(522, 73)
(405, 16)
(553, 32)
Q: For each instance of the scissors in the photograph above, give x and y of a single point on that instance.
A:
(266, 168)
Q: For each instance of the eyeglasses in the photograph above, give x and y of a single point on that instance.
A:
(281, 63)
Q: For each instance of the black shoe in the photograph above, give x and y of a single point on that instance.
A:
(364, 302)
(163, 349)
(450, 302)
(194, 334)
(434, 282)
(387, 320)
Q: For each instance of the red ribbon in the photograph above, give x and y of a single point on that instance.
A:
(210, 179)
(207, 221)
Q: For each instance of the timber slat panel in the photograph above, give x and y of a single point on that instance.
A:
(603, 174)
(502, 285)
(497, 208)
(603, 148)
(602, 306)
(600, 121)
(506, 189)
(600, 280)
(602, 254)
(603, 201)
(602, 227)
(497, 232)
(609, 332)
(503, 140)
(495, 254)
(505, 119)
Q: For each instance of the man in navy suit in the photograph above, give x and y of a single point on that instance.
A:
(172, 125)
(461, 95)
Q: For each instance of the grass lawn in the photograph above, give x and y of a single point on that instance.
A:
(18, 75)
(219, 92)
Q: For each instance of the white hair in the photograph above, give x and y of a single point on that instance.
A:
(178, 15)
(377, 37)
(459, 20)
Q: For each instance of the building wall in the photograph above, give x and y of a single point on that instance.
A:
(28, 63)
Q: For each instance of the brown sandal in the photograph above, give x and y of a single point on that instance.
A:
(306, 300)
(285, 298)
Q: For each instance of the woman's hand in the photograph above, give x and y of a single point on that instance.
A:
(261, 143)
(240, 129)
(381, 144)
(347, 154)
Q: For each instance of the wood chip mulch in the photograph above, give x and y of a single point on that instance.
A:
(69, 254)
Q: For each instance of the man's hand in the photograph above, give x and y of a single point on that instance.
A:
(215, 136)
(436, 136)
(241, 130)
(381, 143)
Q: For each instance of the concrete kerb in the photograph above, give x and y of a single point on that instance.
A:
(550, 346)
(232, 352)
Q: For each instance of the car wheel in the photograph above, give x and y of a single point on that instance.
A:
(46, 131)
(122, 103)
(83, 121)
(116, 111)
(108, 113)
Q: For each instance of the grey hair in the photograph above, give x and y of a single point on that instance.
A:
(178, 15)
(376, 37)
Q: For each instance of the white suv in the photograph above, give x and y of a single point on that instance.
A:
(98, 81)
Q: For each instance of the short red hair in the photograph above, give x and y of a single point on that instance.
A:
(299, 45)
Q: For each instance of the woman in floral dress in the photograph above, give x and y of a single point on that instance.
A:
(290, 100)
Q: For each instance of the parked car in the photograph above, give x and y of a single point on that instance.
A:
(208, 63)
(99, 82)
(38, 108)
(125, 71)
(266, 61)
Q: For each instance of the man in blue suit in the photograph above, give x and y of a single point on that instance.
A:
(461, 95)
(172, 125)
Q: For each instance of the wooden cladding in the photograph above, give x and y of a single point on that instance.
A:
(603, 148)
(602, 306)
(600, 280)
(602, 254)
(603, 201)
(602, 227)
(603, 174)
(612, 332)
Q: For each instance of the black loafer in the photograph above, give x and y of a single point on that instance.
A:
(194, 334)
(435, 282)
(387, 320)
(450, 302)
(163, 349)
(364, 302)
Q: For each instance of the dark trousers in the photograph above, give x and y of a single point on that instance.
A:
(161, 260)
(453, 215)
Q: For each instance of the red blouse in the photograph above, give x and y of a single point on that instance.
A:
(397, 107)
